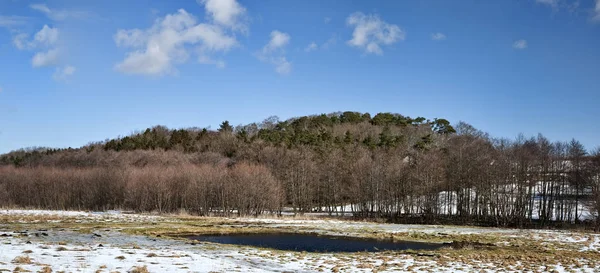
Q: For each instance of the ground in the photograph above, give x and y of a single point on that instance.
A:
(67, 241)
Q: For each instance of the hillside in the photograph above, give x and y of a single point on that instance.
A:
(387, 165)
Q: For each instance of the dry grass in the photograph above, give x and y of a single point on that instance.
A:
(22, 260)
(120, 258)
(20, 269)
(46, 269)
(139, 269)
(61, 248)
(518, 253)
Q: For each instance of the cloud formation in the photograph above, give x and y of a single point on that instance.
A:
(278, 40)
(520, 44)
(596, 16)
(60, 14)
(370, 33)
(12, 21)
(438, 36)
(311, 47)
(173, 38)
(274, 52)
(45, 58)
(46, 37)
(228, 13)
(45, 44)
(551, 3)
(62, 74)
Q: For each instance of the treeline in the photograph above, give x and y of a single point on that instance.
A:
(200, 189)
(388, 166)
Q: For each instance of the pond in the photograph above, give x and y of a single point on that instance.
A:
(314, 243)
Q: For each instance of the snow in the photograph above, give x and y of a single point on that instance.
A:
(80, 216)
(447, 202)
(349, 226)
(69, 250)
(43, 212)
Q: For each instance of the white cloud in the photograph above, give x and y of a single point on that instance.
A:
(44, 42)
(41, 8)
(278, 40)
(60, 14)
(573, 8)
(282, 66)
(551, 3)
(48, 58)
(596, 16)
(46, 36)
(330, 42)
(327, 20)
(12, 21)
(45, 45)
(273, 52)
(438, 36)
(228, 13)
(20, 41)
(156, 51)
(62, 74)
(520, 44)
(311, 47)
(130, 38)
(370, 32)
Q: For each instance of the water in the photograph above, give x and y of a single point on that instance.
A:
(314, 243)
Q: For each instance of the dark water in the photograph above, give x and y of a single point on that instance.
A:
(313, 243)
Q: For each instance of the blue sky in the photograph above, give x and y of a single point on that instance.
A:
(78, 71)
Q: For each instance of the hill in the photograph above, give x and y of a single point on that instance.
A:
(387, 165)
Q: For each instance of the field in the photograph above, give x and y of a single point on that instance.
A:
(68, 241)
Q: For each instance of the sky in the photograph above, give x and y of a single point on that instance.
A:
(73, 72)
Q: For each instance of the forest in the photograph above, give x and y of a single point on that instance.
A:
(387, 166)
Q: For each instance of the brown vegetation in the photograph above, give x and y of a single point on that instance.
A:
(22, 260)
(139, 269)
(385, 167)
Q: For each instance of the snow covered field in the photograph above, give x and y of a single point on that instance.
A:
(61, 241)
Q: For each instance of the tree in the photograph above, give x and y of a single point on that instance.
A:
(577, 174)
(442, 126)
(225, 127)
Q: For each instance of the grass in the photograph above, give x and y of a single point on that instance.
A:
(45, 269)
(139, 269)
(476, 252)
(22, 260)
